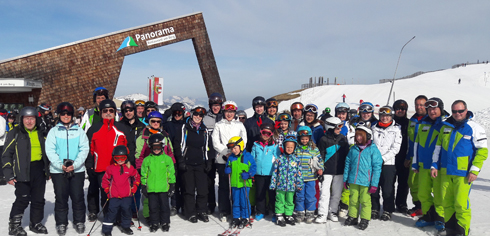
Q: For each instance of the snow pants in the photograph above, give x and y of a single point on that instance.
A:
(93, 194)
(115, 205)
(305, 198)
(359, 196)
(223, 190)
(330, 194)
(285, 202)
(387, 187)
(402, 189)
(430, 193)
(72, 188)
(456, 203)
(159, 208)
(344, 198)
(195, 180)
(413, 184)
(241, 203)
(31, 192)
(262, 183)
(211, 189)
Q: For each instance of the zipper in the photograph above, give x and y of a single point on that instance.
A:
(67, 145)
(358, 161)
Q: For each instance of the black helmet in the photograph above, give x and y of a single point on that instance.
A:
(28, 111)
(11, 116)
(400, 104)
(155, 138)
(271, 102)
(177, 107)
(127, 104)
(150, 104)
(120, 150)
(65, 107)
(1, 105)
(267, 126)
(107, 104)
(258, 101)
(439, 104)
(215, 98)
(99, 91)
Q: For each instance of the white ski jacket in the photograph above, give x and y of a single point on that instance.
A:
(223, 131)
(388, 140)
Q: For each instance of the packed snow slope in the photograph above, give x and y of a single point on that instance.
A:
(442, 84)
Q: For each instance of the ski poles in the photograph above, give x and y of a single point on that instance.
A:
(248, 202)
(137, 215)
(98, 214)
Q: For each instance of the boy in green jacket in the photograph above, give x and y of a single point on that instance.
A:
(158, 183)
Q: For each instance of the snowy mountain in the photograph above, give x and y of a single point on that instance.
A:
(188, 102)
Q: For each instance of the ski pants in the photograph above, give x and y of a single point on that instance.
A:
(457, 211)
(135, 206)
(31, 192)
(402, 189)
(285, 202)
(72, 188)
(159, 208)
(344, 198)
(413, 184)
(223, 190)
(429, 186)
(211, 189)
(387, 186)
(1, 163)
(359, 196)
(195, 181)
(262, 183)
(115, 206)
(330, 194)
(305, 198)
(241, 203)
(92, 198)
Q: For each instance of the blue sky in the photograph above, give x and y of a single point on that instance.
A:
(264, 47)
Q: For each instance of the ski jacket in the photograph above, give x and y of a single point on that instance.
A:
(316, 130)
(425, 142)
(265, 157)
(461, 149)
(236, 165)
(310, 162)
(287, 174)
(157, 173)
(210, 120)
(136, 127)
(192, 146)
(224, 131)
(16, 156)
(363, 167)
(103, 137)
(388, 141)
(412, 130)
(173, 127)
(143, 149)
(333, 150)
(119, 180)
(67, 143)
(403, 122)
(92, 116)
(252, 127)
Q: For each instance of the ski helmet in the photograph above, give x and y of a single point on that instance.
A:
(229, 106)
(28, 111)
(215, 98)
(332, 123)
(155, 115)
(326, 111)
(364, 128)
(127, 104)
(241, 113)
(386, 110)
(44, 107)
(156, 140)
(11, 116)
(400, 104)
(366, 107)
(177, 107)
(198, 110)
(271, 102)
(267, 126)
(99, 91)
(107, 104)
(259, 100)
(140, 103)
(303, 131)
(65, 107)
(352, 113)
(435, 102)
(341, 107)
(296, 106)
(120, 153)
(150, 104)
(236, 141)
(290, 137)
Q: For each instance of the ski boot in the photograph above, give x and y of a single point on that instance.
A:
(386, 216)
(15, 227)
(363, 224)
(127, 231)
(61, 230)
(259, 217)
(38, 228)
(374, 215)
(193, 219)
(202, 217)
(154, 228)
(310, 217)
(92, 217)
(80, 227)
(165, 227)
(243, 223)
(334, 217)
(280, 220)
(290, 220)
(440, 226)
(350, 221)
(299, 216)
(320, 219)
(402, 209)
(222, 217)
(173, 211)
(235, 223)
(343, 210)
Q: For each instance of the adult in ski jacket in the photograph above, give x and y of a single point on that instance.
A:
(402, 172)
(252, 124)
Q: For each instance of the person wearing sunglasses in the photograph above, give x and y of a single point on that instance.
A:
(192, 152)
(310, 119)
(412, 131)
(333, 150)
(26, 167)
(103, 137)
(284, 126)
(388, 138)
(264, 151)
(297, 113)
(462, 160)
(271, 104)
(93, 115)
(241, 116)
(150, 106)
(400, 107)
(224, 130)
(430, 194)
(129, 118)
(67, 148)
(252, 124)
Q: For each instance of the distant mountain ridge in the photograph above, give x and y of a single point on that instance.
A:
(188, 102)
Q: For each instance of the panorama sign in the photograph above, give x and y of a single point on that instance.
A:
(151, 38)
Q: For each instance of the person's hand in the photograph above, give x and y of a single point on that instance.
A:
(208, 167)
(346, 185)
(415, 171)
(144, 191)
(433, 173)
(320, 172)
(69, 168)
(471, 177)
(171, 190)
(373, 189)
(12, 182)
(245, 175)
(134, 189)
(225, 157)
(321, 178)
(168, 113)
(407, 163)
(228, 170)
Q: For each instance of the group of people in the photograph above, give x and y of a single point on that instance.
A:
(299, 165)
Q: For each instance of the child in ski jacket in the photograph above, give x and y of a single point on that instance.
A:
(241, 167)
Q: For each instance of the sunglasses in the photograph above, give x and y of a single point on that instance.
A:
(385, 111)
(285, 117)
(458, 111)
(297, 106)
(155, 121)
(266, 133)
(311, 108)
(105, 110)
(178, 113)
(66, 113)
(128, 110)
(229, 107)
(120, 158)
(431, 103)
(242, 118)
(272, 104)
(150, 110)
(198, 114)
(401, 107)
(366, 108)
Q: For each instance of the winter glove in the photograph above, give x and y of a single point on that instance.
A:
(346, 185)
(171, 190)
(182, 166)
(321, 178)
(144, 191)
(227, 170)
(373, 189)
(134, 189)
(106, 190)
(209, 165)
(225, 158)
(245, 175)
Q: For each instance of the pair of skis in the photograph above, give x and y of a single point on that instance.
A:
(234, 231)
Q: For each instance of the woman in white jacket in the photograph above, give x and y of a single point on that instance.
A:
(223, 131)
(388, 138)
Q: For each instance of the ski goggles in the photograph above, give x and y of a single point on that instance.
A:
(120, 158)
(311, 108)
(232, 145)
(431, 103)
(402, 106)
(297, 106)
(272, 104)
(303, 133)
(385, 111)
(284, 116)
(178, 113)
(229, 107)
(366, 108)
(156, 147)
(140, 103)
(342, 109)
(200, 110)
(266, 133)
(290, 138)
(337, 126)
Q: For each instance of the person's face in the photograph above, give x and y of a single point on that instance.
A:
(139, 111)
(265, 134)
(297, 114)
(337, 130)
(178, 115)
(284, 125)
(197, 118)
(434, 112)
(420, 107)
(342, 115)
(360, 138)
(400, 112)
(65, 117)
(129, 113)
(46, 112)
(99, 98)
(80, 113)
(272, 111)
(385, 119)
(242, 119)
(365, 116)
(456, 115)
(11, 120)
(230, 115)
(309, 117)
(149, 110)
(155, 123)
(235, 150)
(157, 149)
(259, 109)
(29, 122)
(216, 108)
(121, 162)
(289, 147)
(108, 113)
(304, 140)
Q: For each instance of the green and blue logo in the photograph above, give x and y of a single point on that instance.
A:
(128, 42)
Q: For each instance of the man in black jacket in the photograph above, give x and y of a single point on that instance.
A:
(26, 167)
(252, 124)
(401, 107)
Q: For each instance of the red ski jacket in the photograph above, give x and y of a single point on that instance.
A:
(120, 182)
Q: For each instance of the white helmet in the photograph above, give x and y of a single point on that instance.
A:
(332, 122)
(229, 106)
(369, 133)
